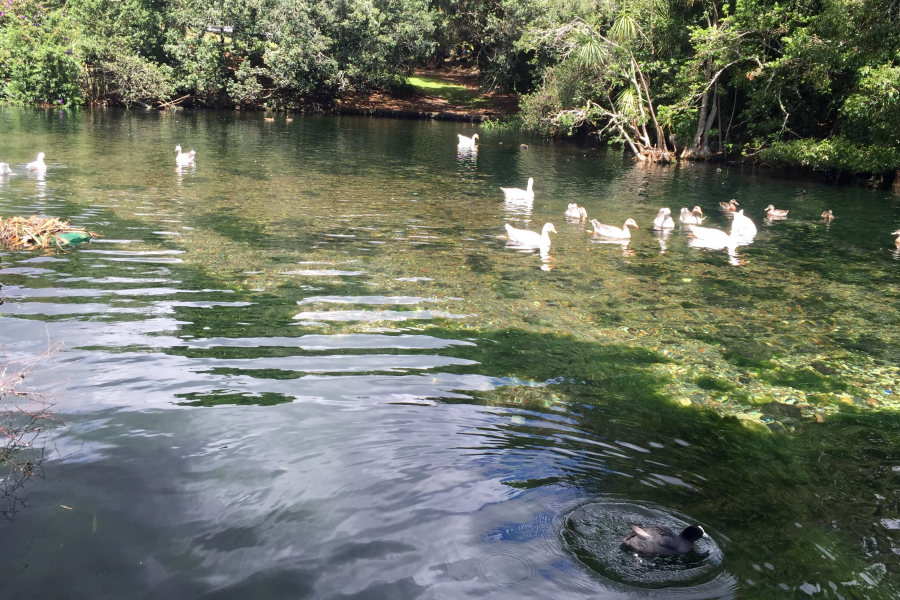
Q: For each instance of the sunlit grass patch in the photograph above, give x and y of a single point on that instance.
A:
(451, 92)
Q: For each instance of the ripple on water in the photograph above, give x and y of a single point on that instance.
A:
(501, 570)
(376, 315)
(594, 532)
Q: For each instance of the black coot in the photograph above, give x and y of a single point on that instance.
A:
(657, 539)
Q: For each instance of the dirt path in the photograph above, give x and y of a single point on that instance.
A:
(446, 94)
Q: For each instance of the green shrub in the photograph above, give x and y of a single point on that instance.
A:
(37, 55)
(834, 154)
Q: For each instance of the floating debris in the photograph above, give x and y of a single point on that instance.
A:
(36, 232)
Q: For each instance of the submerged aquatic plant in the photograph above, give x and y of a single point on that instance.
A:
(24, 416)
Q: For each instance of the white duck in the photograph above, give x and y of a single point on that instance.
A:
(576, 212)
(38, 165)
(466, 142)
(531, 238)
(613, 232)
(663, 219)
(520, 194)
(711, 238)
(4, 169)
(694, 217)
(742, 226)
(183, 159)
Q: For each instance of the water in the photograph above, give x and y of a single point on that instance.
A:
(311, 368)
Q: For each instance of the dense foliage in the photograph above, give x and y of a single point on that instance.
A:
(218, 53)
(811, 83)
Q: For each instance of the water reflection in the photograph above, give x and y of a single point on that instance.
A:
(662, 238)
(521, 209)
(623, 244)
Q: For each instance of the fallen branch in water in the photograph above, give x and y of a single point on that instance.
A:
(164, 105)
(24, 415)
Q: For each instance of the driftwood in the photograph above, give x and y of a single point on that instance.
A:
(35, 232)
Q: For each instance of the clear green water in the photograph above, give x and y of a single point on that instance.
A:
(310, 368)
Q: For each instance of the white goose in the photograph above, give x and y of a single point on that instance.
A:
(663, 219)
(466, 142)
(183, 159)
(531, 238)
(576, 212)
(694, 217)
(742, 226)
(711, 238)
(613, 232)
(520, 194)
(38, 165)
(4, 169)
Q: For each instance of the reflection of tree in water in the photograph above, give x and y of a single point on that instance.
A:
(819, 499)
(24, 416)
(466, 164)
(747, 478)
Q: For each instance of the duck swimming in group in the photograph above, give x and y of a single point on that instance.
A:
(694, 217)
(714, 237)
(576, 212)
(663, 219)
(466, 142)
(897, 241)
(828, 215)
(742, 226)
(38, 165)
(660, 540)
(614, 232)
(531, 238)
(774, 213)
(730, 206)
(4, 169)
(183, 159)
(518, 193)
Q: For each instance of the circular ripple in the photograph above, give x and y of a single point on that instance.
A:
(496, 570)
(505, 570)
(593, 533)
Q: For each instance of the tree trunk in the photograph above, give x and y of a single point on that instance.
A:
(705, 152)
(696, 148)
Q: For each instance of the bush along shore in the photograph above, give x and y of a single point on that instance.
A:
(815, 85)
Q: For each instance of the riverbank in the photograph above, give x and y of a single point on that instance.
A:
(443, 95)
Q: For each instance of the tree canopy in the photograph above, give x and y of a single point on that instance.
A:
(815, 83)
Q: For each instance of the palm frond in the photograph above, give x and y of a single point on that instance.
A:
(591, 53)
(624, 29)
(627, 103)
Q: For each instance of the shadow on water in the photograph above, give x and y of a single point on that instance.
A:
(822, 499)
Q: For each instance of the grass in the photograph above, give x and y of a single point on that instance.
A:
(451, 92)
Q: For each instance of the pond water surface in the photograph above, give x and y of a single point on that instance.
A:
(312, 368)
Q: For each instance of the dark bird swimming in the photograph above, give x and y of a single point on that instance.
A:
(658, 539)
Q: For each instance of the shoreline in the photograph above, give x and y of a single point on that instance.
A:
(409, 114)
